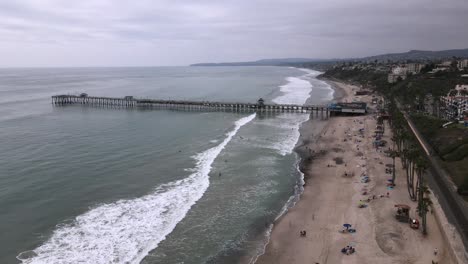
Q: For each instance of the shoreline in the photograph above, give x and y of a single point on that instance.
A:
(312, 127)
(306, 137)
(329, 199)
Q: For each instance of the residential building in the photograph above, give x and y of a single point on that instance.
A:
(462, 64)
(397, 73)
(414, 68)
(446, 63)
(393, 78)
(456, 103)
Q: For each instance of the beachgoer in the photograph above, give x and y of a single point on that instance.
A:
(435, 251)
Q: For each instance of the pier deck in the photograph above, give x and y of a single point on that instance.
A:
(129, 101)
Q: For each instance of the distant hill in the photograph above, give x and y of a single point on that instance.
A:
(414, 55)
(419, 55)
(265, 62)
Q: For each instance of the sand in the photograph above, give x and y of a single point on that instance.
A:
(330, 199)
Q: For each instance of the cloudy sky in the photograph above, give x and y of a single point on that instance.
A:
(179, 32)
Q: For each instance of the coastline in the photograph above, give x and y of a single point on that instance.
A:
(328, 200)
(309, 131)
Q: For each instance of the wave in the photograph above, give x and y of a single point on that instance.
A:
(313, 74)
(331, 92)
(290, 124)
(291, 202)
(295, 91)
(127, 230)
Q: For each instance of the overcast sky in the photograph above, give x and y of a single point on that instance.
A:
(180, 32)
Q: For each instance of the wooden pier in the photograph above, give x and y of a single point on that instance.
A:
(131, 102)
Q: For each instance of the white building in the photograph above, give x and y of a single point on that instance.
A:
(393, 78)
(414, 68)
(400, 70)
(397, 73)
(446, 63)
(462, 64)
(456, 102)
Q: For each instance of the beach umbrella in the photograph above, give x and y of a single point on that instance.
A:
(347, 225)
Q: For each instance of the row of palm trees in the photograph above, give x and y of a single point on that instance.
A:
(413, 161)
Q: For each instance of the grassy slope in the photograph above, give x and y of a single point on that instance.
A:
(450, 143)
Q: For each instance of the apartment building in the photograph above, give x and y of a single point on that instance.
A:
(456, 103)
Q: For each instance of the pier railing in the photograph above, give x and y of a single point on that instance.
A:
(129, 101)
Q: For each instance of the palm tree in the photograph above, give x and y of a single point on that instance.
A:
(412, 155)
(393, 155)
(424, 208)
(421, 166)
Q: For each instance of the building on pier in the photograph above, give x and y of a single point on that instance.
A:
(353, 108)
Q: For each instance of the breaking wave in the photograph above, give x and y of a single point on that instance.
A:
(127, 230)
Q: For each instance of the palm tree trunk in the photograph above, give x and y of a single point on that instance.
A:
(424, 223)
(413, 191)
(420, 193)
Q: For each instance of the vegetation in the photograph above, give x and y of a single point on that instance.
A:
(411, 92)
(424, 207)
(366, 78)
(413, 160)
(451, 145)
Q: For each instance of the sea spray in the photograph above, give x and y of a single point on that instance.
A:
(127, 230)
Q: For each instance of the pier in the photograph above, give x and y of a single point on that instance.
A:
(131, 102)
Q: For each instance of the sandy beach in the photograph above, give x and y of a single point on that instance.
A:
(333, 165)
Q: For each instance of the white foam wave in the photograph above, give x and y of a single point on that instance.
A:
(296, 91)
(313, 74)
(126, 230)
(290, 125)
(331, 92)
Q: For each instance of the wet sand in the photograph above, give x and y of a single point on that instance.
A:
(331, 199)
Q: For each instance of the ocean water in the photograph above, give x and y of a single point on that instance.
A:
(98, 185)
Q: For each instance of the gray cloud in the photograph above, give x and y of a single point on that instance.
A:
(178, 32)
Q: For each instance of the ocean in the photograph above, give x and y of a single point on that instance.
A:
(98, 185)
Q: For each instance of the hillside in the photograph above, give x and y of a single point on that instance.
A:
(265, 62)
(414, 55)
(419, 55)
